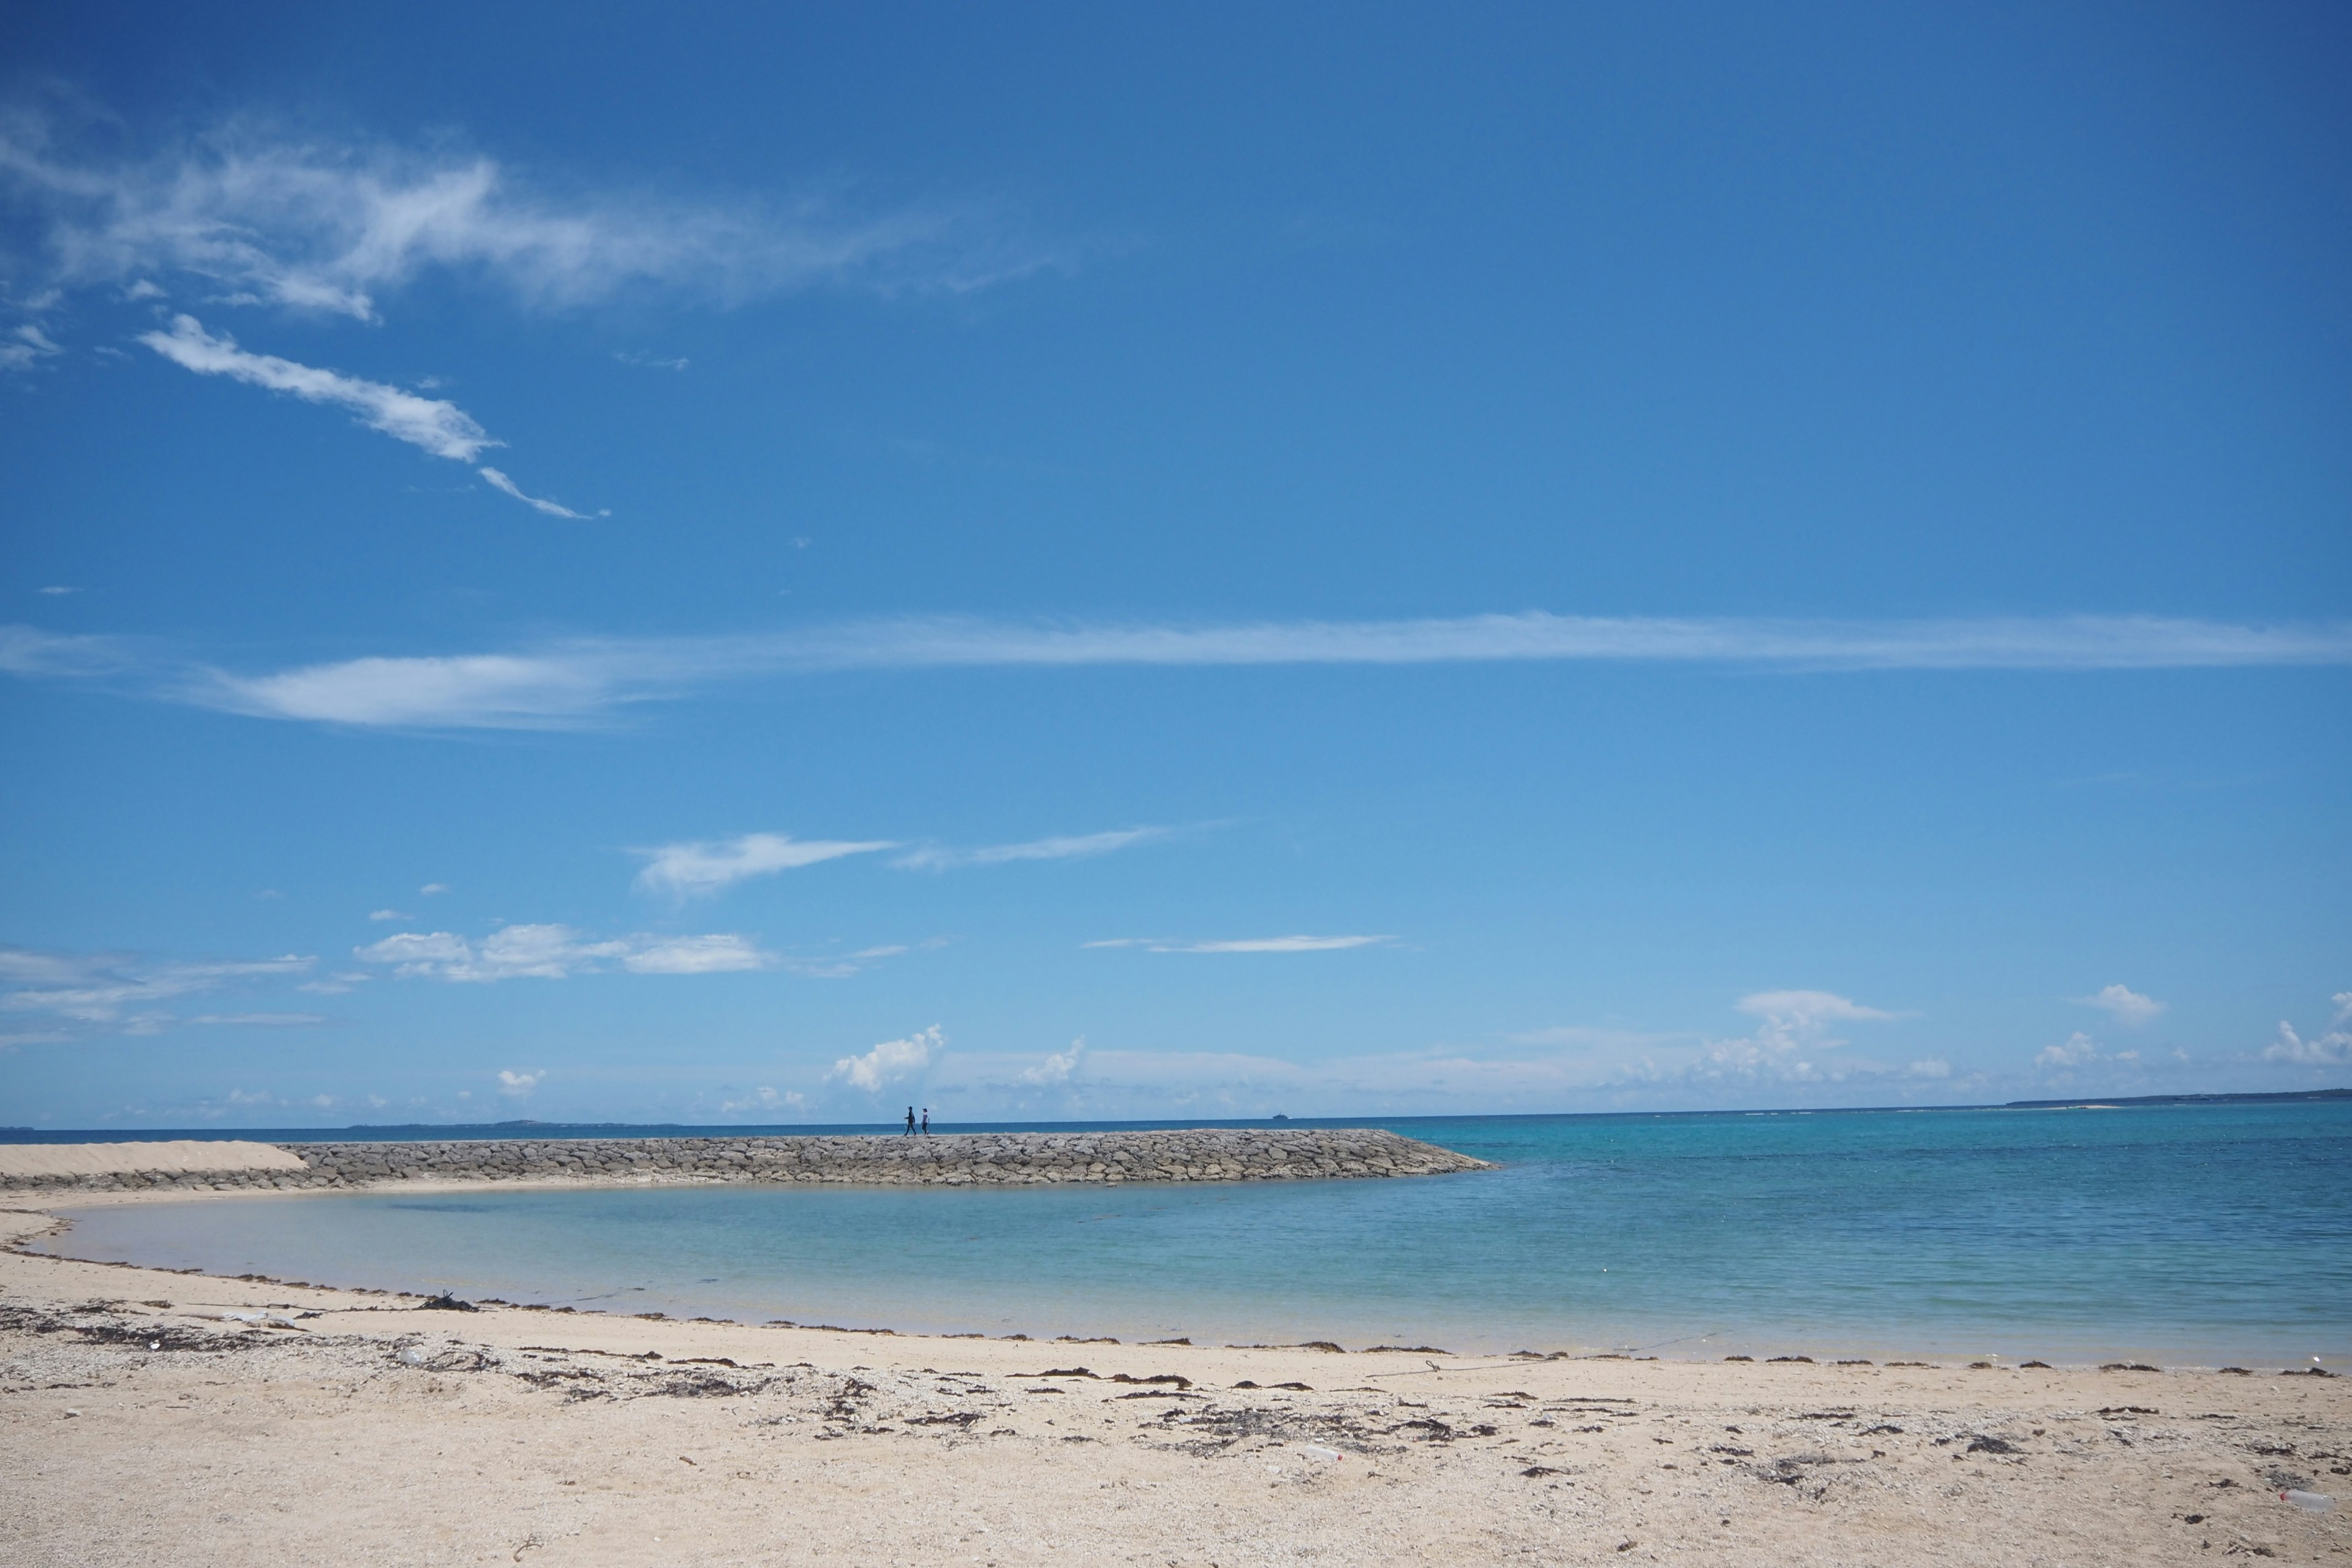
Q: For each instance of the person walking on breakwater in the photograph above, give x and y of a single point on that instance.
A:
(927, 1121)
(910, 1121)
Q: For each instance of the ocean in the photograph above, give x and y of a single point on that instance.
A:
(2202, 1235)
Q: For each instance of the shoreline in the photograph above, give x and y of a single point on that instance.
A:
(1750, 1348)
(208, 1407)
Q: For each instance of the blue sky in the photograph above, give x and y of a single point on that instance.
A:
(754, 565)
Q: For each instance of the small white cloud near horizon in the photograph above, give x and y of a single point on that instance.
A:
(2079, 1050)
(1245, 945)
(2333, 1048)
(699, 868)
(264, 1020)
(2127, 1005)
(1787, 1046)
(764, 1098)
(518, 1085)
(1063, 848)
(890, 1062)
(1058, 1067)
(554, 951)
(389, 915)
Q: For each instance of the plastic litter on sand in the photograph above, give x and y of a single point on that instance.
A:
(2310, 1502)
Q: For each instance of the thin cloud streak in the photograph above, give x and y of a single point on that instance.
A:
(1068, 846)
(702, 866)
(585, 682)
(433, 423)
(1247, 944)
(437, 425)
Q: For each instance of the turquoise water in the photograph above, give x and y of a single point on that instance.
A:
(2202, 1235)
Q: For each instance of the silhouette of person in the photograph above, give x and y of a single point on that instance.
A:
(910, 1121)
(927, 1121)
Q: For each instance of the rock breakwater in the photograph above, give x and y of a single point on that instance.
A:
(946, 1160)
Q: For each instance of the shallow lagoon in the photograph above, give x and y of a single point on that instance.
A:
(2202, 1234)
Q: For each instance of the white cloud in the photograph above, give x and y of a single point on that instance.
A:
(716, 954)
(389, 915)
(2077, 1050)
(582, 681)
(1064, 847)
(518, 1085)
(436, 425)
(1806, 1009)
(2076, 642)
(890, 1062)
(764, 1098)
(112, 992)
(433, 423)
(2333, 1048)
(56, 590)
(264, 1020)
(2128, 1005)
(487, 691)
(26, 651)
(552, 508)
(431, 888)
(1246, 944)
(1058, 1067)
(702, 866)
(333, 227)
(1932, 1066)
(555, 952)
(334, 984)
(1790, 1045)
(651, 361)
(25, 347)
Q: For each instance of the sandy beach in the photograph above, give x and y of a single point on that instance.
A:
(148, 1416)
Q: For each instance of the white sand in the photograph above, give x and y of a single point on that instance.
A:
(149, 1418)
(170, 1155)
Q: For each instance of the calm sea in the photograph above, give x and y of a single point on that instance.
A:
(2210, 1233)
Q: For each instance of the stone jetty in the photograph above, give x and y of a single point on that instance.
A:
(945, 1160)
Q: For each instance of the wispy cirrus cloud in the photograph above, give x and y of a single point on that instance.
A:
(25, 347)
(431, 424)
(702, 866)
(1067, 847)
(555, 952)
(586, 681)
(435, 424)
(1246, 944)
(336, 225)
(119, 994)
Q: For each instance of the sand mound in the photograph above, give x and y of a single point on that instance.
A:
(20, 1160)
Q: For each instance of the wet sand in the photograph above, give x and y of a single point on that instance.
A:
(150, 1416)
